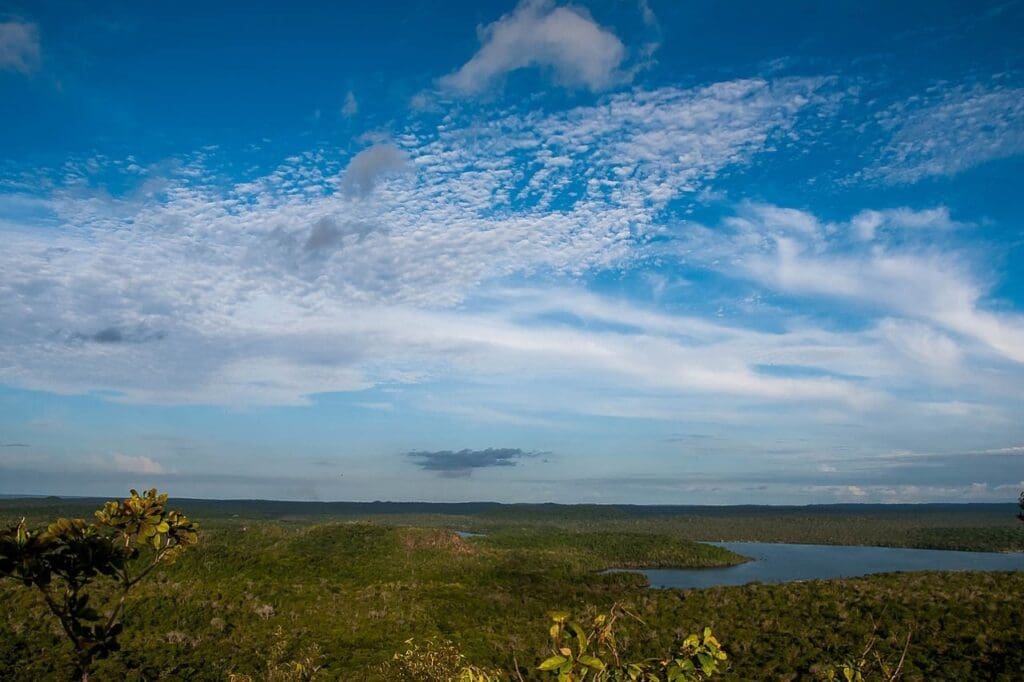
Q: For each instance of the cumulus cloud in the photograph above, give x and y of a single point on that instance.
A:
(463, 462)
(138, 464)
(566, 40)
(950, 131)
(19, 46)
(368, 166)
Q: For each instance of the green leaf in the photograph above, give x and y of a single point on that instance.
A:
(552, 663)
(581, 637)
(591, 662)
(707, 663)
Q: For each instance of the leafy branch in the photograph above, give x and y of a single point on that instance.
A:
(124, 544)
(592, 653)
(870, 664)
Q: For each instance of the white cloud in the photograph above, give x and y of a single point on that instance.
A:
(913, 494)
(1011, 450)
(138, 464)
(289, 285)
(922, 344)
(949, 131)
(539, 34)
(351, 106)
(647, 14)
(792, 252)
(296, 283)
(867, 223)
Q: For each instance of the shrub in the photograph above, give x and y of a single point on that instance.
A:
(434, 661)
(592, 653)
(63, 562)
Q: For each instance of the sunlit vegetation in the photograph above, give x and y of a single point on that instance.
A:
(591, 652)
(307, 598)
(65, 563)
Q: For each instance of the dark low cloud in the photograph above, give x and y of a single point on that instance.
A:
(463, 462)
(370, 165)
(324, 234)
(14, 445)
(108, 335)
(327, 234)
(114, 335)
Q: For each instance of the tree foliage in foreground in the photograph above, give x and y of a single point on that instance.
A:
(579, 653)
(592, 653)
(69, 559)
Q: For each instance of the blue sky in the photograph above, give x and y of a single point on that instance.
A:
(648, 252)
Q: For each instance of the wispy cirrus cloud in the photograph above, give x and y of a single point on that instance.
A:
(793, 252)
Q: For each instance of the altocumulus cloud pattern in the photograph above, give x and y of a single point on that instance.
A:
(773, 272)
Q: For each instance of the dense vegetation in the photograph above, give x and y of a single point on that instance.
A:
(973, 527)
(258, 595)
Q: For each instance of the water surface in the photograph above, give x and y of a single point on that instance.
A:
(466, 534)
(780, 563)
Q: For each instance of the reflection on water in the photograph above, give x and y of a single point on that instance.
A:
(779, 563)
(465, 534)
